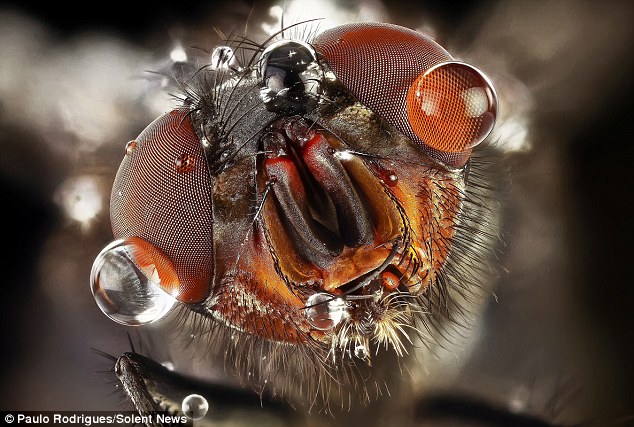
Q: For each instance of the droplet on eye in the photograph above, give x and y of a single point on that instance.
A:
(130, 147)
(129, 280)
(185, 163)
(195, 406)
(324, 311)
(451, 107)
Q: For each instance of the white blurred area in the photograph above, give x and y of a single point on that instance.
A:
(85, 88)
(79, 96)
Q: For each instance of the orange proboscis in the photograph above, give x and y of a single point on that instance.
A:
(266, 297)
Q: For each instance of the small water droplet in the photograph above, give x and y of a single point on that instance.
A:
(168, 365)
(343, 155)
(195, 406)
(130, 147)
(324, 311)
(127, 282)
(223, 58)
(361, 351)
(388, 177)
(185, 163)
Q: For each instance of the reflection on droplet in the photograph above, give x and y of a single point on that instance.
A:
(195, 406)
(130, 147)
(185, 163)
(451, 107)
(223, 58)
(388, 177)
(324, 311)
(361, 351)
(129, 280)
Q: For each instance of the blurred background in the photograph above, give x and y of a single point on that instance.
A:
(75, 87)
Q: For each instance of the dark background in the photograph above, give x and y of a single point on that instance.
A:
(567, 209)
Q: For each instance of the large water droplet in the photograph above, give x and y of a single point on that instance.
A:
(324, 311)
(195, 406)
(128, 279)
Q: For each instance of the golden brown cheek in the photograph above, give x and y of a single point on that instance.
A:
(432, 208)
(256, 300)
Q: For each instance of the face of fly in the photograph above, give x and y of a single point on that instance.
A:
(316, 195)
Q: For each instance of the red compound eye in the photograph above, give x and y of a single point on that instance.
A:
(451, 107)
(413, 84)
(161, 206)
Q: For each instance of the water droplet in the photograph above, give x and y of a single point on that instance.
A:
(223, 58)
(168, 365)
(389, 281)
(324, 311)
(291, 77)
(128, 279)
(343, 155)
(195, 406)
(185, 163)
(130, 147)
(361, 351)
(451, 107)
(388, 177)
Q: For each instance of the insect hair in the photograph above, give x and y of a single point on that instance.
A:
(311, 373)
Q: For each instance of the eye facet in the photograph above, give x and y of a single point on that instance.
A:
(291, 77)
(451, 107)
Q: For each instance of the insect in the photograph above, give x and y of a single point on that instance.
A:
(313, 205)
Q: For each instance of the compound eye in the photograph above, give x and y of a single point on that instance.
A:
(291, 77)
(451, 107)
